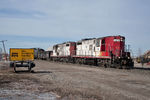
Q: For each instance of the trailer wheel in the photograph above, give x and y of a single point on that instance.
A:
(15, 67)
(29, 67)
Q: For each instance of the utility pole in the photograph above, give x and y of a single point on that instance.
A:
(4, 48)
(0, 54)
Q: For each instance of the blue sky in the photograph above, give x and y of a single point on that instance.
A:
(42, 23)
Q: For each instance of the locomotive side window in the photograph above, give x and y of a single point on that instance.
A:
(90, 47)
(79, 43)
(116, 40)
(97, 43)
(55, 48)
(103, 45)
(103, 41)
(122, 39)
(73, 44)
(67, 44)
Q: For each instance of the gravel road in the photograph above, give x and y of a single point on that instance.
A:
(60, 81)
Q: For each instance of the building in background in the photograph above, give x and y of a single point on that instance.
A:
(144, 57)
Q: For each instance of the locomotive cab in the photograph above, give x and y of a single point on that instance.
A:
(113, 47)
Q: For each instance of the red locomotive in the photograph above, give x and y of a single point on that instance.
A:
(105, 51)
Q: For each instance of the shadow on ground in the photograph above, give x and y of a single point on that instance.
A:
(142, 68)
(41, 72)
(34, 72)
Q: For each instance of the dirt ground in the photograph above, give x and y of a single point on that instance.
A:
(60, 81)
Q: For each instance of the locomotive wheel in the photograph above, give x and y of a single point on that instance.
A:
(131, 67)
(99, 64)
(77, 61)
(105, 65)
(120, 67)
(109, 64)
(125, 67)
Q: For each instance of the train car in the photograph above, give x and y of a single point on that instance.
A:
(63, 52)
(47, 55)
(64, 49)
(38, 53)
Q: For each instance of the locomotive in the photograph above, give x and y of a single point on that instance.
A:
(106, 51)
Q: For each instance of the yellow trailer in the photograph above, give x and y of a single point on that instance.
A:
(22, 57)
(21, 54)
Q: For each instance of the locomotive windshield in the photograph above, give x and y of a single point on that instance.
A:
(97, 43)
(103, 45)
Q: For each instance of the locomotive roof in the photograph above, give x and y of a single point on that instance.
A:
(64, 43)
(88, 39)
(97, 38)
(110, 36)
(68, 42)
